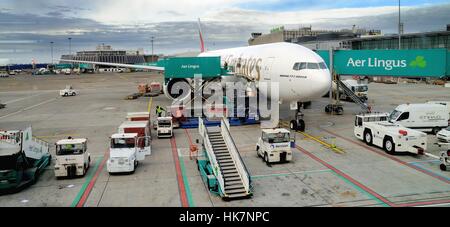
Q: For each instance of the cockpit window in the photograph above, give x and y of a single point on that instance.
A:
(313, 66)
(322, 65)
(309, 65)
(302, 66)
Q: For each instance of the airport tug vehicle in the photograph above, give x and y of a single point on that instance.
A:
(72, 158)
(274, 145)
(22, 159)
(68, 91)
(164, 127)
(374, 129)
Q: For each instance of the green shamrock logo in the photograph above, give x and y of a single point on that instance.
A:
(419, 62)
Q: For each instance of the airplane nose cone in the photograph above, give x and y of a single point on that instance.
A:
(323, 83)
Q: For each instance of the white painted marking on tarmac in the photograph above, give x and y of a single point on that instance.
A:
(437, 205)
(292, 173)
(70, 186)
(39, 104)
(181, 153)
(27, 97)
(427, 161)
(25, 201)
(28, 108)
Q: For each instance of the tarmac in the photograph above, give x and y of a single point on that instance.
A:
(330, 166)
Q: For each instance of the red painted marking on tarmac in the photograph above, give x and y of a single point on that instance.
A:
(425, 203)
(189, 136)
(365, 188)
(181, 187)
(391, 157)
(91, 184)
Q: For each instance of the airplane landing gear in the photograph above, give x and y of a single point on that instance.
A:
(298, 124)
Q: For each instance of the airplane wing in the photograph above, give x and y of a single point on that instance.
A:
(156, 68)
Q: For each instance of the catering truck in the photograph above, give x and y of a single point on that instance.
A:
(423, 117)
(374, 130)
(22, 159)
(129, 146)
(138, 116)
(141, 128)
(274, 146)
(72, 158)
(359, 89)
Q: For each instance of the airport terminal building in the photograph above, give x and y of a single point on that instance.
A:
(105, 53)
(355, 39)
(313, 39)
(427, 40)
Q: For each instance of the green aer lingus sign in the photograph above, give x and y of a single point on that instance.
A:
(411, 63)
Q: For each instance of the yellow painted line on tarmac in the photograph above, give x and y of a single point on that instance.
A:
(150, 102)
(332, 147)
(55, 136)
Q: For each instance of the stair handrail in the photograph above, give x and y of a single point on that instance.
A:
(211, 155)
(353, 96)
(41, 142)
(240, 165)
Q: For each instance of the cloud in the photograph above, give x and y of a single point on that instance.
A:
(26, 36)
(415, 20)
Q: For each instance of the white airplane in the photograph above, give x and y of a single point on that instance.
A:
(301, 73)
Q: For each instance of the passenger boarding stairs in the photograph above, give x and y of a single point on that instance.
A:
(229, 169)
(12, 142)
(354, 97)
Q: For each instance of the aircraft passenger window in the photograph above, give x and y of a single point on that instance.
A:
(296, 66)
(404, 116)
(313, 66)
(302, 66)
(322, 65)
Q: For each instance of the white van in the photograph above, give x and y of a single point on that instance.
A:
(423, 117)
(444, 103)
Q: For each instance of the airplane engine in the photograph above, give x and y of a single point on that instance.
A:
(179, 89)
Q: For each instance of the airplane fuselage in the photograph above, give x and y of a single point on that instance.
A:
(279, 62)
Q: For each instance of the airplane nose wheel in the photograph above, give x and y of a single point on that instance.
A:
(298, 124)
(301, 126)
(293, 125)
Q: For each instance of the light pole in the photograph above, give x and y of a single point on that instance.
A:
(70, 46)
(399, 26)
(153, 39)
(51, 47)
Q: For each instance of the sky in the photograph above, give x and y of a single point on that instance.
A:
(28, 26)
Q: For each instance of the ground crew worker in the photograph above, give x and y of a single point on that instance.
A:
(159, 111)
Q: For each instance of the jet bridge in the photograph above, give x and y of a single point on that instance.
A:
(221, 165)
